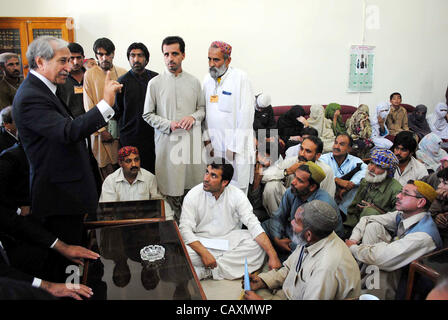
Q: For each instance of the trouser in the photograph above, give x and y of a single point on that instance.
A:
(230, 263)
(272, 195)
(386, 287)
(175, 203)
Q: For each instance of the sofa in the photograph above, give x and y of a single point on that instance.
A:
(346, 110)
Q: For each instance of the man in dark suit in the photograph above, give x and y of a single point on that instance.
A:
(21, 228)
(15, 176)
(61, 181)
(8, 132)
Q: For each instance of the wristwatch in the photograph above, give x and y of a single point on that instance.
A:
(285, 173)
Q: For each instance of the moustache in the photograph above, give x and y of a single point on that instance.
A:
(134, 168)
(336, 149)
(302, 158)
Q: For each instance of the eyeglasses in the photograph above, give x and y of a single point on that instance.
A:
(409, 195)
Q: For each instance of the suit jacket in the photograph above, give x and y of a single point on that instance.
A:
(20, 290)
(21, 228)
(61, 179)
(6, 140)
(15, 177)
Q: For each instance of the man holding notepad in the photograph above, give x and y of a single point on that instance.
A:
(212, 216)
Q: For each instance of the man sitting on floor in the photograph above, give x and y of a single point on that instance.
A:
(408, 168)
(348, 170)
(391, 241)
(277, 178)
(304, 188)
(321, 269)
(210, 224)
(377, 191)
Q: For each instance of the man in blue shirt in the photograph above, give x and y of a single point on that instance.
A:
(304, 188)
(348, 170)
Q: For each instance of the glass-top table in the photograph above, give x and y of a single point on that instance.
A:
(121, 274)
(126, 212)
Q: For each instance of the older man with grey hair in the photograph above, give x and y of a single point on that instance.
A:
(322, 269)
(10, 67)
(8, 132)
(62, 183)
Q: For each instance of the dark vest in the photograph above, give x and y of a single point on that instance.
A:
(426, 225)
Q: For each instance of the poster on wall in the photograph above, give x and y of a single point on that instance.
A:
(361, 68)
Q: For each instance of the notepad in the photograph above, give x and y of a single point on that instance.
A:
(218, 244)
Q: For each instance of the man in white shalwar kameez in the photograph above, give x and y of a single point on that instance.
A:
(212, 216)
(229, 113)
(174, 107)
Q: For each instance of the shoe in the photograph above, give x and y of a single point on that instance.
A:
(203, 273)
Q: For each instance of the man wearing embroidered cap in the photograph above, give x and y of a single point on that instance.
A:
(304, 188)
(391, 241)
(229, 113)
(378, 189)
(320, 269)
(130, 182)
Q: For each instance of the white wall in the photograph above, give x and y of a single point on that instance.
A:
(296, 50)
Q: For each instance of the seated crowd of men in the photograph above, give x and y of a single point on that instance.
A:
(215, 154)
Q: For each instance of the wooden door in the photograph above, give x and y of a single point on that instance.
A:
(14, 38)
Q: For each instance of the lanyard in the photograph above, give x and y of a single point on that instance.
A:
(299, 262)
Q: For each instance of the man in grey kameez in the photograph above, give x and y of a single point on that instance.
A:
(175, 107)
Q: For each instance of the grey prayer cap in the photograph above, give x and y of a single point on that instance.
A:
(320, 216)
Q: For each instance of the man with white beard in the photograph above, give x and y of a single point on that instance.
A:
(377, 191)
(229, 115)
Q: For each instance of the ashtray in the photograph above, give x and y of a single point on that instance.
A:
(152, 253)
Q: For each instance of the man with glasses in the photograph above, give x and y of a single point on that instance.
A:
(348, 170)
(377, 191)
(391, 241)
(105, 140)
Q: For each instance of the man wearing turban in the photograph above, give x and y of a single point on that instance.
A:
(378, 189)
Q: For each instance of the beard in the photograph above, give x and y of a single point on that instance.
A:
(299, 193)
(12, 75)
(215, 73)
(106, 65)
(402, 160)
(137, 67)
(375, 178)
